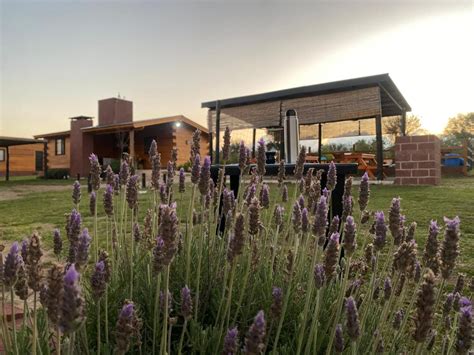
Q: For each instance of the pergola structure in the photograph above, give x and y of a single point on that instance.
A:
(371, 97)
(7, 142)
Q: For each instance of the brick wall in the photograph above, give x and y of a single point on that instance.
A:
(418, 160)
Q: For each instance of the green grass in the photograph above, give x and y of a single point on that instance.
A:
(43, 211)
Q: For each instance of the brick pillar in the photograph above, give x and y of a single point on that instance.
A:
(81, 147)
(417, 160)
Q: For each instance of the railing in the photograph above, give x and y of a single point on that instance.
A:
(465, 152)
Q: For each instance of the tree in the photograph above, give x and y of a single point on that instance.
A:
(412, 127)
(459, 128)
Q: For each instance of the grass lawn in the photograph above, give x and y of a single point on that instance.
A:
(35, 204)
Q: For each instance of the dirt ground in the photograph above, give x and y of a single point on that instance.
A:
(14, 192)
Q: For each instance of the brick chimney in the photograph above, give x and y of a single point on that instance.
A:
(81, 145)
(115, 110)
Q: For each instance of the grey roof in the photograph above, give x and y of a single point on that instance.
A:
(11, 141)
(393, 102)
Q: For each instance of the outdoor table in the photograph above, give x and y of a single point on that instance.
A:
(366, 161)
(233, 171)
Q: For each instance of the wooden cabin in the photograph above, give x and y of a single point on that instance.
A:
(21, 156)
(116, 133)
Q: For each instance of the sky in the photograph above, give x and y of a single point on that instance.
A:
(58, 58)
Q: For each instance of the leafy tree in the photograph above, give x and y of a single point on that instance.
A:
(459, 128)
(412, 126)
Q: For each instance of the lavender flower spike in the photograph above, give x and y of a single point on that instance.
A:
(464, 334)
(261, 157)
(12, 265)
(95, 171)
(72, 307)
(226, 146)
(204, 176)
(364, 192)
(284, 194)
(127, 327)
(394, 220)
(132, 192)
(349, 242)
(425, 304)
(196, 169)
(304, 220)
(109, 201)
(254, 341)
(277, 304)
(296, 217)
(331, 256)
(181, 180)
(92, 202)
(98, 283)
(338, 340)
(58, 242)
(82, 255)
(265, 196)
(380, 231)
(124, 172)
(319, 276)
(353, 326)
(186, 303)
(231, 342)
(450, 246)
(76, 192)
(321, 221)
(331, 180)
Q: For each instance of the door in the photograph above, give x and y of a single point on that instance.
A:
(38, 160)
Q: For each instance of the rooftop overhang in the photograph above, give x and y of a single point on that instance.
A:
(337, 101)
(12, 141)
(54, 134)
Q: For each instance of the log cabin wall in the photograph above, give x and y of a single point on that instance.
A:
(163, 134)
(183, 137)
(22, 159)
(59, 161)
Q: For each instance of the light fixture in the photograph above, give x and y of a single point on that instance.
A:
(178, 124)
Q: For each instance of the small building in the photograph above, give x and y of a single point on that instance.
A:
(117, 133)
(20, 156)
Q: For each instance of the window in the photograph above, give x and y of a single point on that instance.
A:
(2, 154)
(60, 147)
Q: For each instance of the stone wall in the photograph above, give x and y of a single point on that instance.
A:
(418, 160)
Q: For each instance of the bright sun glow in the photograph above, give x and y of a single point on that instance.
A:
(430, 61)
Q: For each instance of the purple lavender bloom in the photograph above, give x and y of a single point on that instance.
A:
(464, 334)
(265, 196)
(116, 184)
(242, 156)
(204, 177)
(181, 180)
(127, 326)
(326, 193)
(261, 157)
(158, 255)
(338, 340)
(380, 231)
(284, 193)
(82, 255)
(321, 220)
(132, 192)
(394, 220)
(332, 173)
(387, 288)
(364, 192)
(277, 304)
(12, 265)
(252, 190)
(24, 249)
(196, 169)
(278, 215)
(254, 341)
(109, 201)
(76, 192)
(349, 242)
(98, 283)
(450, 246)
(304, 220)
(228, 201)
(353, 327)
(296, 217)
(153, 150)
(319, 276)
(226, 146)
(231, 342)
(72, 307)
(124, 172)
(58, 242)
(186, 303)
(301, 201)
(95, 171)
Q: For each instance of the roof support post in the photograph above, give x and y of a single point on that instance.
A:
(131, 146)
(218, 128)
(379, 153)
(254, 139)
(320, 142)
(7, 163)
(45, 160)
(403, 124)
(210, 146)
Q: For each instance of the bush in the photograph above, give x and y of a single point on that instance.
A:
(57, 174)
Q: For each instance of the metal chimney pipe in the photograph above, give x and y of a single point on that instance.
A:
(292, 136)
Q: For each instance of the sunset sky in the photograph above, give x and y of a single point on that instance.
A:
(59, 57)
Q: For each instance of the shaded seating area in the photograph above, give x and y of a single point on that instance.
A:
(365, 100)
(5, 146)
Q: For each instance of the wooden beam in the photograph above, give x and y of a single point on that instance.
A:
(218, 128)
(7, 163)
(391, 97)
(403, 124)
(131, 146)
(379, 143)
(320, 141)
